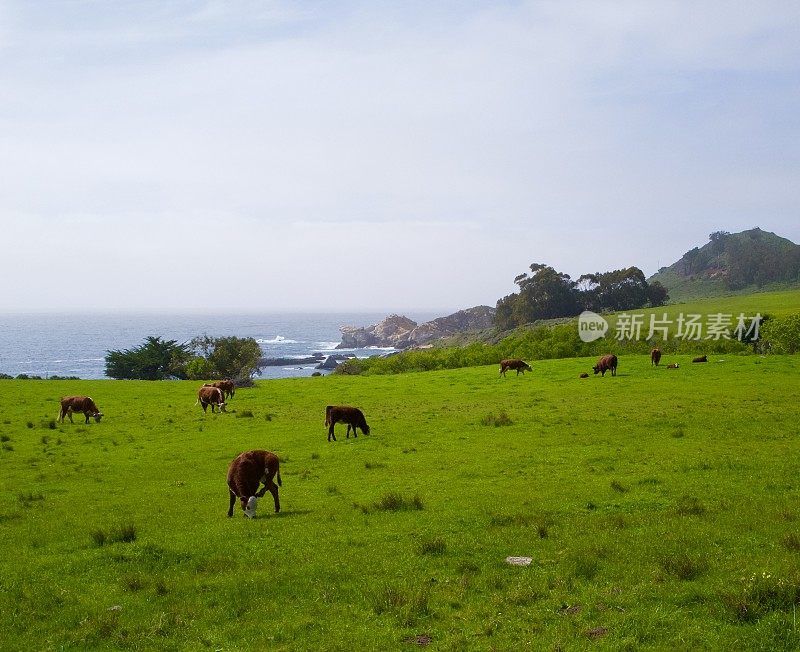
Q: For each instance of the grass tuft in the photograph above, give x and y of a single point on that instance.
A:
(435, 546)
(244, 414)
(683, 566)
(690, 506)
(501, 419)
(618, 486)
(792, 541)
(122, 534)
(395, 502)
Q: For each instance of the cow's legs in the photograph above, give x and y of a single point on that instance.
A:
(86, 414)
(233, 502)
(330, 433)
(69, 414)
(273, 489)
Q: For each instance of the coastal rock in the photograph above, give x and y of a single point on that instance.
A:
(401, 332)
(333, 360)
(476, 318)
(392, 331)
(314, 358)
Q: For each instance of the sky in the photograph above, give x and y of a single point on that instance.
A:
(256, 156)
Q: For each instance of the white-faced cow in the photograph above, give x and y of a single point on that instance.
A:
(246, 472)
(655, 357)
(353, 417)
(70, 404)
(606, 363)
(514, 363)
(227, 386)
(211, 396)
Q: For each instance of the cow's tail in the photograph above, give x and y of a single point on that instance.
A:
(279, 478)
(328, 415)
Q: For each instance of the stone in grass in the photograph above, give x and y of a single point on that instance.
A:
(519, 561)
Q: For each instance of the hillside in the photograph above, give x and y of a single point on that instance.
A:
(733, 263)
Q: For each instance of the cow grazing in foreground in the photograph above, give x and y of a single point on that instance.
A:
(702, 358)
(227, 386)
(353, 417)
(211, 396)
(655, 357)
(246, 472)
(70, 404)
(517, 364)
(672, 365)
(606, 363)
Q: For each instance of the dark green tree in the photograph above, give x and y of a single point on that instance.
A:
(238, 358)
(155, 359)
(543, 294)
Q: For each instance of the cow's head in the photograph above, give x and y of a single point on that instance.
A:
(97, 416)
(596, 369)
(250, 507)
(222, 407)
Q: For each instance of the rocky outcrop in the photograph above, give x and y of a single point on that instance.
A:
(392, 331)
(402, 333)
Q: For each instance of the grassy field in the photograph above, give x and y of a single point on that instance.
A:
(659, 507)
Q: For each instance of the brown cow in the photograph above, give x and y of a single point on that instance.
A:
(702, 358)
(227, 386)
(353, 417)
(655, 357)
(70, 404)
(514, 363)
(210, 396)
(606, 363)
(673, 365)
(246, 472)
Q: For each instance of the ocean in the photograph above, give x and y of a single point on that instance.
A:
(76, 344)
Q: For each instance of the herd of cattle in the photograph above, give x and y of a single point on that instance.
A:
(252, 468)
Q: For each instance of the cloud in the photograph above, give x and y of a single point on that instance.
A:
(448, 145)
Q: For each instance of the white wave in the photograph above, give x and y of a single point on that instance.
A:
(278, 339)
(326, 346)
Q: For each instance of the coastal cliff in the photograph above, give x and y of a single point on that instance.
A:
(401, 332)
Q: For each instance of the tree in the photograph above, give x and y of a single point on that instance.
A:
(544, 294)
(238, 358)
(156, 359)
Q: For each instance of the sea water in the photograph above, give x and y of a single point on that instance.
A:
(76, 344)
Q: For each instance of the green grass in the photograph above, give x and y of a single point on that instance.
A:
(661, 510)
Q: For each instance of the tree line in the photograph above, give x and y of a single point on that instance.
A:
(545, 293)
(201, 358)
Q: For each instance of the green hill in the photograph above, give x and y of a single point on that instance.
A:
(733, 263)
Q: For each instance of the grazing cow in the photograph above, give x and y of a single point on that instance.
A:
(211, 396)
(70, 404)
(227, 386)
(672, 365)
(353, 417)
(655, 357)
(702, 358)
(515, 363)
(606, 363)
(246, 472)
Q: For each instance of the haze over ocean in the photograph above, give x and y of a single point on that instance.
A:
(76, 344)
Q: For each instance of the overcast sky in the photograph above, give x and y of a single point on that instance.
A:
(246, 155)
